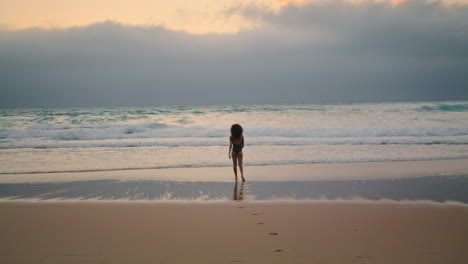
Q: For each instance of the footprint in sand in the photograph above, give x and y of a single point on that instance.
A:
(273, 234)
(260, 223)
(256, 214)
(278, 250)
(240, 207)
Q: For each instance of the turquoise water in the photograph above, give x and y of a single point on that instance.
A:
(109, 138)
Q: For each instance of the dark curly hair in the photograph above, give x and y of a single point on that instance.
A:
(236, 131)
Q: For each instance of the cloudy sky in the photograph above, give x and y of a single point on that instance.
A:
(97, 53)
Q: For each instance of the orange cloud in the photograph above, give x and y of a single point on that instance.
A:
(197, 16)
(294, 2)
(302, 2)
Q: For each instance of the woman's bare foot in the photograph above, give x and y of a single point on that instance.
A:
(243, 179)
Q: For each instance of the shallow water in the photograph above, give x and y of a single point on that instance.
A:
(77, 139)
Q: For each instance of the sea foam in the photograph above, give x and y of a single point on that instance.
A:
(180, 136)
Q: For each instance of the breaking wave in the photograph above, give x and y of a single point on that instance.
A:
(446, 108)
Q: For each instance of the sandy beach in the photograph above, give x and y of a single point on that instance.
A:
(369, 212)
(233, 232)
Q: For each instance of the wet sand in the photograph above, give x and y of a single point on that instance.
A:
(440, 189)
(435, 180)
(233, 232)
(298, 172)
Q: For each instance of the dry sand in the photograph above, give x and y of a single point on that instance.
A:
(232, 232)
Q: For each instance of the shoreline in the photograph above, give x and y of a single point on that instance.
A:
(294, 172)
(438, 189)
(227, 202)
(226, 166)
(441, 181)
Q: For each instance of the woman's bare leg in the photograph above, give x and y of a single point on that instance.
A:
(240, 157)
(234, 163)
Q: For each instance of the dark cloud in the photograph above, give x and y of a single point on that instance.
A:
(319, 52)
(412, 28)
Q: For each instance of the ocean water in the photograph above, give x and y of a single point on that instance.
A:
(112, 138)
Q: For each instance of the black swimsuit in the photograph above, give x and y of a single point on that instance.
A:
(237, 148)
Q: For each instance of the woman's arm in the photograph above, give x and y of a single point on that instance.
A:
(230, 147)
(242, 141)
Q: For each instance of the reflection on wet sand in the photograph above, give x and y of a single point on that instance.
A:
(436, 188)
(239, 197)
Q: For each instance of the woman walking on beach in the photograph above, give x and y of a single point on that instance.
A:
(236, 143)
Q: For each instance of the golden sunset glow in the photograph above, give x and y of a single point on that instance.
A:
(201, 16)
(294, 2)
(197, 17)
